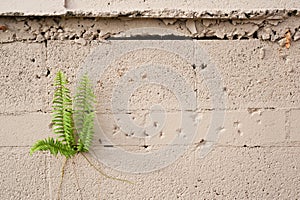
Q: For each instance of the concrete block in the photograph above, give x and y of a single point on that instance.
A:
(133, 75)
(247, 173)
(23, 77)
(23, 176)
(28, 73)
(169, 182)
(111, 130)
(81, 180)
(24, 129)
(148, 140)
(143, 128)
(260, 127)
(253, 74)
(239, 128)
(294, 121)
(66, 56)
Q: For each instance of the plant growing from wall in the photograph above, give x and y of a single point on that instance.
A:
(71, 139)
(72, 122)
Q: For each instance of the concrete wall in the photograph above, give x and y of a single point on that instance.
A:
(228, 124)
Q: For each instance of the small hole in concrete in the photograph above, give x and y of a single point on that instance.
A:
(203, 66)
(255, 35)
(47, 73)
(161, 134)
(32, 60)
(144, 76)
(145, 133)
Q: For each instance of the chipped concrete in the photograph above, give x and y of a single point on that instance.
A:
(152, 9)
(252, 51)
(87, 30)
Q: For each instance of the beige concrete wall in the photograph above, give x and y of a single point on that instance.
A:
(244, 106)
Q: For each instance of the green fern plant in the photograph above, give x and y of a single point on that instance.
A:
(73, 126)
(73, 123)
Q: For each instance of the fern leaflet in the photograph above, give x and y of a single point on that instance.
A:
(84, 113)
(54, 146)
(62, 111)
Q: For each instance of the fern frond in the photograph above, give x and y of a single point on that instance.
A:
(84, 113)
(62, 111)
(54, 146)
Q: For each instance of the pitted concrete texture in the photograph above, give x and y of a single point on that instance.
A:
(23, 176)
(243, 173)
(23, 74)
(258, 75)
(247, 128)
(227, 172)
(28, 70)
(239, 68)
(270, 82)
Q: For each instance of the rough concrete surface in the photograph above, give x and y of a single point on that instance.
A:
(84, 31)
(231, 82)
(152, 8)
(23, 176)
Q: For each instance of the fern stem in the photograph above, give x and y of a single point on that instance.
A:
(61, 178)
(76, 177)
(102, 173)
